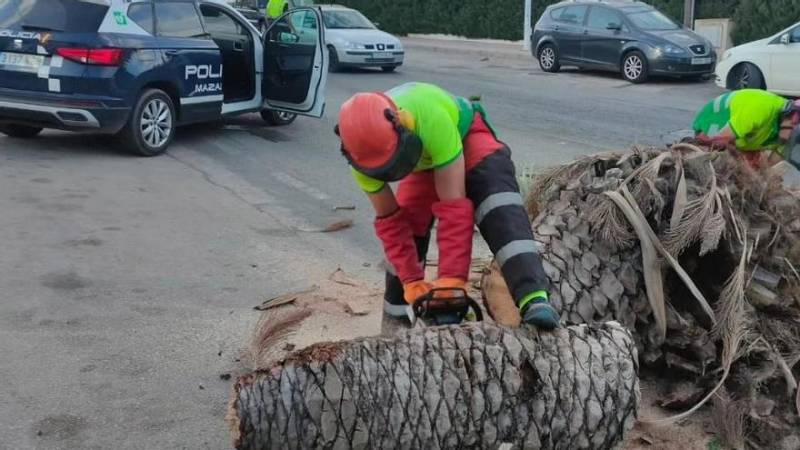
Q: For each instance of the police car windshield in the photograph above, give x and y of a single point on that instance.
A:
(346, 20)
(651, 20)
(73, 16)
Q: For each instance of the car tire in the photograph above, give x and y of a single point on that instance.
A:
(20, 131)
(548, 58)
(334, 65)
(154, 108)
(634, 67)
(389, 69)
(278, 118)
(746, 76)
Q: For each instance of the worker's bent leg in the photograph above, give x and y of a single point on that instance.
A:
(504, 223)
(416, 194)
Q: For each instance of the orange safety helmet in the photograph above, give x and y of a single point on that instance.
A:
(373, 141)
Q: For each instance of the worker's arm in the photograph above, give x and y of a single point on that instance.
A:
(383, 201)
(726, 138)
(393, 228)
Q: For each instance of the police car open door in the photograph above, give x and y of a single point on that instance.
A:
(295, 63)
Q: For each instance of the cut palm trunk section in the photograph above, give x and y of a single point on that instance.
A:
(471, 386)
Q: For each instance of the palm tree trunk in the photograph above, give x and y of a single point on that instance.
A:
(470, 386)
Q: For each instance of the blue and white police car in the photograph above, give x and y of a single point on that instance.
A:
(140, 68)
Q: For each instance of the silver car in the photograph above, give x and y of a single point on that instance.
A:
(354, 41)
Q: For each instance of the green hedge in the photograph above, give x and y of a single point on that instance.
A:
(757, 19)
(503, 19)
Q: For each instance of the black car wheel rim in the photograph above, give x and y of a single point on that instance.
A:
(548, 58)
(633, 67)
(156, 123)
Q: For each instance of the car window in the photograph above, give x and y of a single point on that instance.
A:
(652, 20)
(795, 36)
(73, 16)
(219, 22)
(178, 20)
(297, 27)
(555, 14)
(142, 15)
(573, 14)
(346, 20)
(601, 18)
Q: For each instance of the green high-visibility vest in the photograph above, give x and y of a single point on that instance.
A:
(275, 8)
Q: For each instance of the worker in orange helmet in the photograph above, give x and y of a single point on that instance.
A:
(451, 168)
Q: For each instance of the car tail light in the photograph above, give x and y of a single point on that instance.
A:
(93, 56)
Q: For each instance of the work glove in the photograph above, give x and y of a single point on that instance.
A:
(456, 284)
(395, 233)
(535, 309)
(454, 236)
(416, 289)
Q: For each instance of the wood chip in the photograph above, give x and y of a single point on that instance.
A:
(284, 299)
(339, 225)
(339, 277)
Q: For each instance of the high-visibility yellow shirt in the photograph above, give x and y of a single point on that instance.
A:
(753, 115)
(275, 8)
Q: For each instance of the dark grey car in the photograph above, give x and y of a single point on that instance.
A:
(629, 37)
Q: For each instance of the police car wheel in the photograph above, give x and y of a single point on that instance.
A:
(20, 131)
(278, 118)
(151, 126)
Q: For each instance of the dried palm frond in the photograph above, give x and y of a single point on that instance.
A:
(651, 265)
(271, 329)
(728, 419)
(732, 328)
(713, 229)
(679, 204)
(609, 225)
(696, 216)
(647, 174)
(687, 280)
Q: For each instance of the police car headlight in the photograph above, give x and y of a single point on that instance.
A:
(354, 46)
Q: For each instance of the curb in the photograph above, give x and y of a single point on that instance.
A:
(491, 49)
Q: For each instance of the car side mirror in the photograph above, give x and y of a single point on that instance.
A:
(288, 38)
(786, 39)
(614, 26)
(377, 24)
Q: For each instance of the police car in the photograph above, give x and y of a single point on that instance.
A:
(139, 69)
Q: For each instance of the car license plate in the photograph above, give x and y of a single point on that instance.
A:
(382, 55)
(701, 61)
(21, 61)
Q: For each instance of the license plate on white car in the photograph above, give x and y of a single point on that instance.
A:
(701, 61)
(21, 61)
(382, 55)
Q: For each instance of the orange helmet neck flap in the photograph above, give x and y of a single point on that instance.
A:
(373, 141)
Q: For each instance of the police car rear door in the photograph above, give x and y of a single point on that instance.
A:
(296, 63)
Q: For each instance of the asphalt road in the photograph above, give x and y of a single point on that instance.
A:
(127, 284)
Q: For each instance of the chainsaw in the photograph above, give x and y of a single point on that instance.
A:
(456, 308)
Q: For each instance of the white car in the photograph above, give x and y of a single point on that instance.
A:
(772, 64)
(354, 41)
